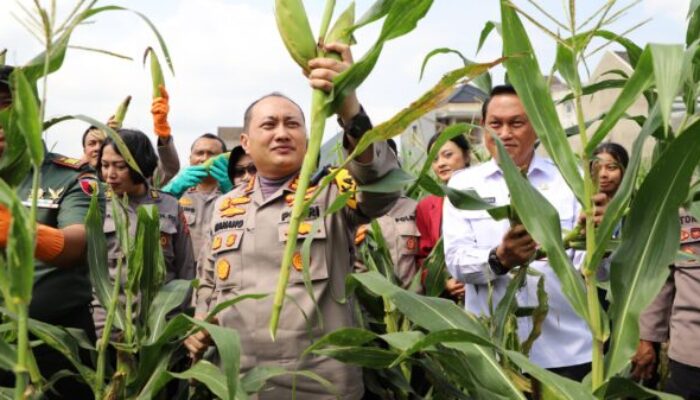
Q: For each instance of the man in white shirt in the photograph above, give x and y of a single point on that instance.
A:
(480, 251)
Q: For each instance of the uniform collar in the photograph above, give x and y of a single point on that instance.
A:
(289, 186)
(537, 165)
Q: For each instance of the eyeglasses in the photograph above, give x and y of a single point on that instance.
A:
(239, 171)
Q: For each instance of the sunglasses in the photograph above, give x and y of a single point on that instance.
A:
(239, 171)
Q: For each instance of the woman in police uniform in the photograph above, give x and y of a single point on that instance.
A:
(123, 180)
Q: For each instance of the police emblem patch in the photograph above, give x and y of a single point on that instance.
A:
(89, 186)
(298, 261)
(222, 269)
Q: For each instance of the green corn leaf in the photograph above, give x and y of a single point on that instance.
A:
(428, 101)
(486, 31)
(437, 271)
(293, 26)
(566, 62)
(435, 314)
(3, 54)
(402, 340)
(366, 357)
(169, 297)
(254, 380)
(19, 251)
(561, 387)
(394, 181)
(508, 305)
(208, 374)
(26, 107)
(524, 73)
(641, 79)
(228, 345)
(668, 75)
(97, 258)
(542, 222)
(15, 163)
(538, 316)
(442, 337)
(345, 337)
(441, 50)
(618, 388)
(8, 356)
(341, 31)
(157, 78)
(156, 380)
(376, 11)
(693, 31)
(634, 52)
(649, 243)
(618, 205)
(596, 87)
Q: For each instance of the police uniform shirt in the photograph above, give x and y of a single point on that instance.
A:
(168, 161)
(64, 198)
(198, 207)
(675, 312)
(248, 236)
(470, 235)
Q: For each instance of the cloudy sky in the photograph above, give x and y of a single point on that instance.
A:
(226, 53)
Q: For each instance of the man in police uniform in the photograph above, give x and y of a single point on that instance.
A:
(674, 316)
(249, 231)
(197, 187)
(62, 292)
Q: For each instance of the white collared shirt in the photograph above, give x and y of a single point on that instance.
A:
(470, 235)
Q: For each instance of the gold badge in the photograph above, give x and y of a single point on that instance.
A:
(297, 261)
(216, 244)
(185, 201)
(230, 240)
(222, 269)
(411, 243)
(55, 194)
(232, 212)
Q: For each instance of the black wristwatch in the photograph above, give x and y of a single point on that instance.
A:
(357, 126)
(496, 266)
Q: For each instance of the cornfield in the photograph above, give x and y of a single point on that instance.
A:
(410, 345)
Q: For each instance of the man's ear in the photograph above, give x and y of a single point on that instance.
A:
(244, 142)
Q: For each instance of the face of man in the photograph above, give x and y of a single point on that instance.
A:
(91, 147)
(204, 149)
(276, 137)
(506, 116)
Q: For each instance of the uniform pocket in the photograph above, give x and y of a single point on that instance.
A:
(227, 259)
(408, 239)
(318, 270)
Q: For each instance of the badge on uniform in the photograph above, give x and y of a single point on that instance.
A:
(222, 269)
(185, 201)
(298, 261)
(229, 207)
(164, 240)
(411, 243)
(89, 186)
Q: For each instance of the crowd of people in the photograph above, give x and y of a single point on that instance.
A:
(226, 224)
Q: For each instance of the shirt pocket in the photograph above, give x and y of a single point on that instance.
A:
(408, 239)
(318, 271)
(227, 259)
(486, 231)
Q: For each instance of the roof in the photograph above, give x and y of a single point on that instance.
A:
(467, 94)
(623, 55)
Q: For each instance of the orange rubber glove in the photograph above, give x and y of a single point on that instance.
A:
(160, 108)
(49, 241)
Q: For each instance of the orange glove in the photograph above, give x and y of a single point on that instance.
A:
(361, 234)
(160, 108)
(49, 241)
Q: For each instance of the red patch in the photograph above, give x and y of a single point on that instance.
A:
(411, 243)
(89, 186)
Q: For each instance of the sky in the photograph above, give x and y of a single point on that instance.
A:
(227, 53)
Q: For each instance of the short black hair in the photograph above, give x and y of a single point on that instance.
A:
(615, 150)
(212, 137)
(87, 131)
(459, 140)
(236, 154)
(249, 110)
(140, 148)
(498, 90)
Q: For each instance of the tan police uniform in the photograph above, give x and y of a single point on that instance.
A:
(168, 161)
(248, 235)
(401, 236)
(198, 207)
(174, 240)
(675, 312)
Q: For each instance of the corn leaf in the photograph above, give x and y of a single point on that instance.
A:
(8, 356)
(542, 222)
(228, 345)
(538, 316)
(525, 75)
(483, 81)
(376, 11)
(366, 357)
(562, 388)
(156, 380)
(121, 146)
(618, 205)
(144, 272)
(394, 181)
(19, 251)
(618, 388)
(402, 340)
(346, 337)
(668, 75)
(293, 26)
(208, 374)
(97, 259)
(693, 31)
(26, 107)
(428, 101)
(15, 162)
(596, 87)
(435, 314)
(442, 337)
(437, 271)
(641, 79)
(649, 243)
(441, 50)
(507, 305)
(3, 54)
(169, 297)
(634, 52)
(342, 28)
(486, 31)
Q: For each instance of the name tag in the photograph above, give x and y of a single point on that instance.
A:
(41, 203)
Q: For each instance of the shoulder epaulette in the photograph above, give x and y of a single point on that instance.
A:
(68, 162)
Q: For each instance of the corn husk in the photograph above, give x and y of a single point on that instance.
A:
(156, 71)
(295, 30)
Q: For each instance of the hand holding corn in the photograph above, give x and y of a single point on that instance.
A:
(323, 70)
(160, 109)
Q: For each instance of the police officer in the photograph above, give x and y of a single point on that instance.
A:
(121, 179)
(198, 187)
(62, 293)
(674, 316)
(248, 235)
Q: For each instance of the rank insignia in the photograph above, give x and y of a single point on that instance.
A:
(251, 185)
(216, 244)
(185, 201)
(232, 212)
(222, 269)
(89, 186)
(154, 194)
(297, 261)
(55, 194)
(231, 240)
(73, 163)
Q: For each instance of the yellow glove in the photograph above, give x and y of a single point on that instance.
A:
(160, 108)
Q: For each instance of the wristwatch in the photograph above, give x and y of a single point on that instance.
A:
(496, 266)
(357, 126)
